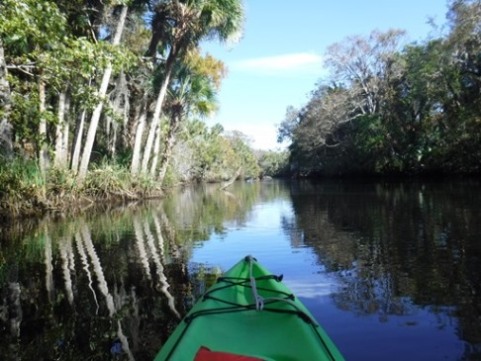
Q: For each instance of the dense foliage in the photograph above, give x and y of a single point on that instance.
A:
(393, 109)
(125, 83)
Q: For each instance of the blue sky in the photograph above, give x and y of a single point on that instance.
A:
(278, 60)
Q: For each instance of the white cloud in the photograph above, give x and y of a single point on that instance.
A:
(295, 63)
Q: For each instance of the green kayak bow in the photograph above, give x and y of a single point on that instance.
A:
(249, 314)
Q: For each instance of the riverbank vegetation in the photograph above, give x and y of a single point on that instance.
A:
(105, 99)
(389, 108)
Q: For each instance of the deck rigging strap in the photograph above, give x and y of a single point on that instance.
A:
(260, 303)
(259, 300)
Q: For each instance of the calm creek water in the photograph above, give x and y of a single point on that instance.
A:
(391, 270)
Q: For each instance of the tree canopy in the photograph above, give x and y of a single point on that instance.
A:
(389, 108)
(85, 82)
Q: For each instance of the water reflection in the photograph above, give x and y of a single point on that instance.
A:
(89, 288)
(398, 246)
(114, 285)
(106, 286)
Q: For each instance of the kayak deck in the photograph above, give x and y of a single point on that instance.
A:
(250, 312)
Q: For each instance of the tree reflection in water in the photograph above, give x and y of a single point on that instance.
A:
(113, 286)
(397, 246)
(96, 300)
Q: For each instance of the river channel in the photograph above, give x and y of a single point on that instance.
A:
(391, 270)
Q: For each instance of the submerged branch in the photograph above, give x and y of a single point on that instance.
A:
(232, 180)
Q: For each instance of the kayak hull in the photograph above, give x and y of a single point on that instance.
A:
(250, 312)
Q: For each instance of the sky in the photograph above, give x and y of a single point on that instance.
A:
(278, 60)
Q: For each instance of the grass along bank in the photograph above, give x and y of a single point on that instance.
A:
(25, 191)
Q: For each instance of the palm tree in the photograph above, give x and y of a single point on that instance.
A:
(180, 26)
(94, 121)
(192, 94)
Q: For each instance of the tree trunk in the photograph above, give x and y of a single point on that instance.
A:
(158, 110)
(120, 105)
(112, 137)
(168, 147)
(155, 157)
(232, 180)
(6, 144)
(78, 142)
(94, 121)
(124, 96)
(42, 129)
(66, 132)
(61, 133)
(135, 165)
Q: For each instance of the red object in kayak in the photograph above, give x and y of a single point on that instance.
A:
(204, 354)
